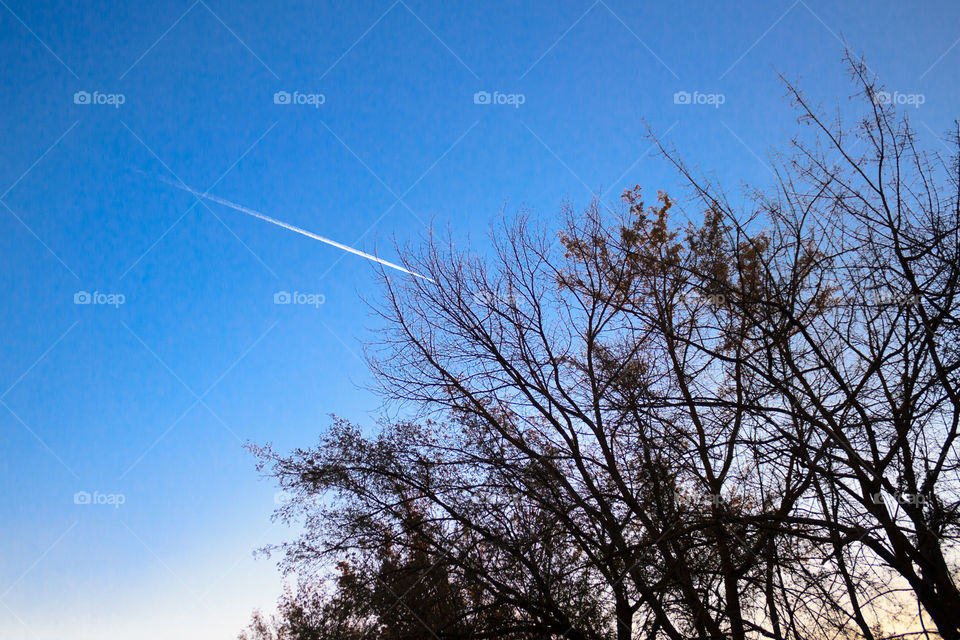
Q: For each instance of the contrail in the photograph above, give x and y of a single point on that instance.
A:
(280, 223)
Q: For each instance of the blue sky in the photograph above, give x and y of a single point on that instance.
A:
(146, 401)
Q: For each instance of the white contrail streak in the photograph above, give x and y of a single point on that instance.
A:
(280, 223)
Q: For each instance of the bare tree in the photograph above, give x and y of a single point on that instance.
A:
(847, 303)
(739, 428)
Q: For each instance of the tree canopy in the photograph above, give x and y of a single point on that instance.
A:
(662, 422)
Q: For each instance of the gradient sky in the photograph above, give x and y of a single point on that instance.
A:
(152, 399)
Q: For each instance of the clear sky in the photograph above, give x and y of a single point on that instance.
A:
(140, 399)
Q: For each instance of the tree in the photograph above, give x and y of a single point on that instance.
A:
(743, 427)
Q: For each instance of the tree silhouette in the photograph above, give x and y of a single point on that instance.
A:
(739, 427)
